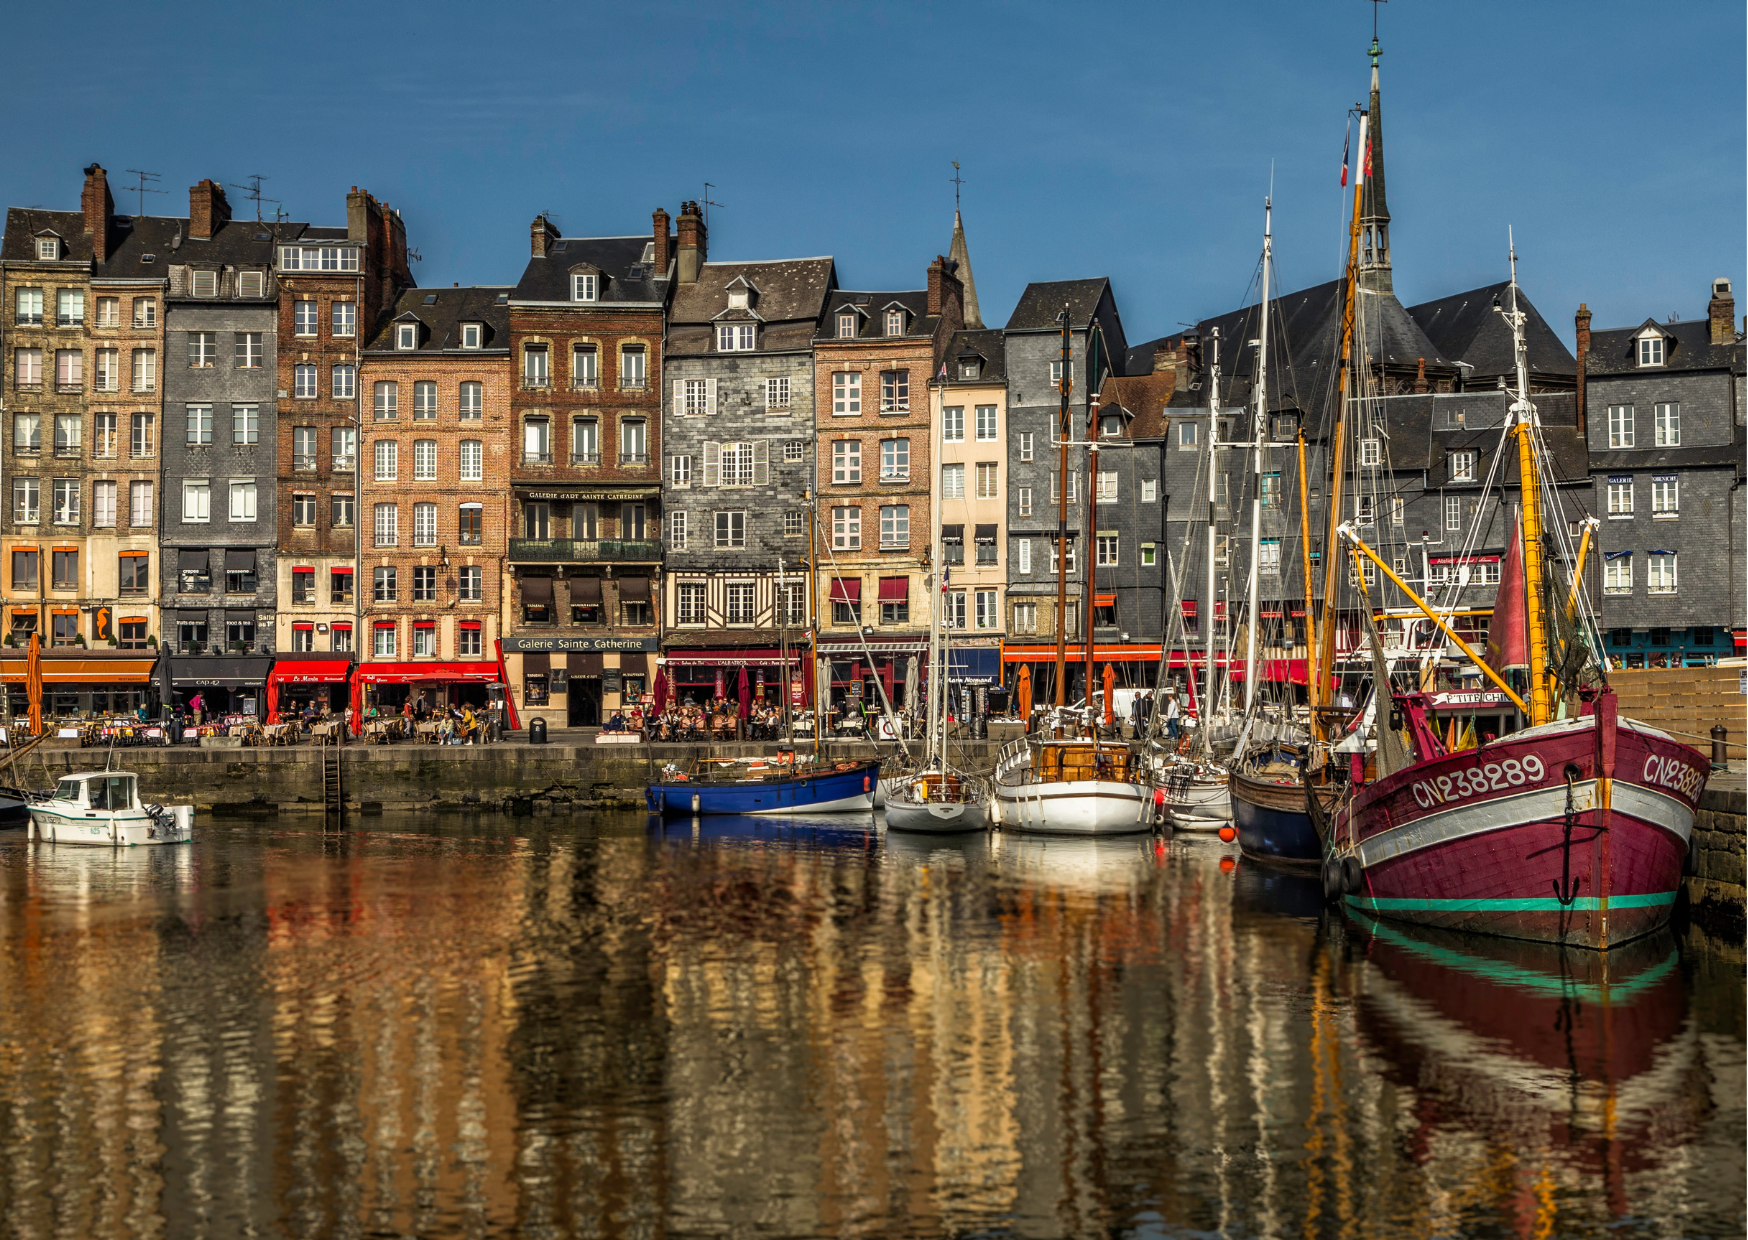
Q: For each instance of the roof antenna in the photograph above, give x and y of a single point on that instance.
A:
(142, 189)
(957, 181)
(707, 204)
(254, 194)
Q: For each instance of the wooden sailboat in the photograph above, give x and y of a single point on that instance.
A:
(1073, 784)
(1573, 830)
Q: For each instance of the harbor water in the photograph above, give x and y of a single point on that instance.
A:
(477, 1026)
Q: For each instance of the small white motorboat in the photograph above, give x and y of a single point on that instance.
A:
(1194, 794)
(104, 808)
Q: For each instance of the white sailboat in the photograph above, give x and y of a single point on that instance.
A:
(1073, 785)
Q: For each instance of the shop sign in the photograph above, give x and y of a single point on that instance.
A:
(556, 644)
(1459, 699)
(574, 492)
(612, 680)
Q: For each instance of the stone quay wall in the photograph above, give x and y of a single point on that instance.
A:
(1715, 870)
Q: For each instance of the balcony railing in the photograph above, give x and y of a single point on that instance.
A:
(633, 385)
(536, 458)
(583, 551)
(585, 458)
(535, 383)
(634, 458)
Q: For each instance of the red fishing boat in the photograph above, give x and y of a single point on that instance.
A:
(1572, 830)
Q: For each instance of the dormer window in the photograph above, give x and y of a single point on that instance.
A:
(251, 284)
(895, 322)
(1650, 350)
(48, 247)
(735, 337)
(471, 335)
(970, 368)
(847, 325)
(1111, 426)
(203, 283)
(737, 299)
(406, 335)
(584, 287)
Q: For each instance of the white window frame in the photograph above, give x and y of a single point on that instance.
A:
(953, 425)
(985, 611)
(1651, 349)
(736, 337)
(470, 399)
(472, 466)
(406, 336)
(585, 286)
(1025, 501)
(953, 480)
(1660, 573)
(425, 524)
(1371, 452)
(242, 499)
(987, 424)
(895, 459)
(689, 604)
(1620, 500)
(1106, 487)
(847, 529)
(343, 318)
(894, 526)
(196, 501)
(729, 531)
(1617, 575)
(424, 460)
(1025, 617)
(1464, 464)
(1025, 445)
(471, 335)
(677, 530)
(680, 471)
(777, 393)
(343, 381)
(846, 394)
(1454, 512)
(1665, 498)
(1621, 430)
(988, 480)
(1666, 419)
(385, 458)
(847, 325)
(1108, 549)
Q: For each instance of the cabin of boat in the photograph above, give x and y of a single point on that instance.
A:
(103, 807)
(1070, 760)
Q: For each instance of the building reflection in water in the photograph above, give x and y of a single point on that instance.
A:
(817, 1029)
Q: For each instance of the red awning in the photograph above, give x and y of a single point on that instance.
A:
(339, 570)
(310, 672)
(409, 673)
(1104, 600)
(895, 589)
(1190, 608)
(1077, 654)
(846, 590)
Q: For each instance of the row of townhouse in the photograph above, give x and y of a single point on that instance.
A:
(253, 460)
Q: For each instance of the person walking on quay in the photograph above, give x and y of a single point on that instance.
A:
(197, 708)
(1171, 714)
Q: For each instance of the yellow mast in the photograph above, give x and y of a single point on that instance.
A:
(1325, 627)
(1305, 559)
(1530, 490)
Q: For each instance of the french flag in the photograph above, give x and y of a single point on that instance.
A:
(1346, 149)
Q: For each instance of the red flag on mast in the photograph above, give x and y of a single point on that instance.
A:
(1346, 149)
(1507, 632)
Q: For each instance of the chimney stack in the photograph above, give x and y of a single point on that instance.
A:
(693, 242)
(98, 208)
(662, 242)
(1722, 310)
(944, 287)
(1581, 321)
(542, 233)
(207, 209)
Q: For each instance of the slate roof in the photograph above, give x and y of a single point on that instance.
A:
(1422, 431)
(442, 320)
(987, 344)
(1305, 352)
(1043, 300)
(620, 259)
(24, 223)
(870, 322)
(1144, 397)
(1689, 347)
(1465, 328)
(791, 296)
(1139, 358)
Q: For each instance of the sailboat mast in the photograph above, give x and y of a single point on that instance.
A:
(1325, 658)
(1063, 384)
(938, 592)
(1529, 487)
(1262, 407)
(1092, 534)
(1204, 743)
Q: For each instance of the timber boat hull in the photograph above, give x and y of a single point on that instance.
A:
(1273, 822)
(1509, 840)
(850, 790)
(1036, 790)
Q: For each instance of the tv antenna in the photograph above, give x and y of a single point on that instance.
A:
(254, 194)
(707, 204)
(957, 181)
(142, 189)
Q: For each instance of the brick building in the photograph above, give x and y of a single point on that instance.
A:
(737, 433)
(436, 493)
(335, 284)
(1664, 420)
(82, 340)
(586, 323)
(873, 360)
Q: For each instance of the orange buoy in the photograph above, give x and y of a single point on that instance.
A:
(1228, 834)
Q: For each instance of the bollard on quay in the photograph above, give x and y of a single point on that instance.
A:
(1720, 752)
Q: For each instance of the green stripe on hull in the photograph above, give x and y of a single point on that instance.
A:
(1543, 904)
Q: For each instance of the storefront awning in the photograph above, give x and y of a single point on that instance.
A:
(412, 673)
(895, 589)
(228, 673)
(846, 589)
(585, 591)
(87, 670)
(1077, 654)
(311, 671)
(634, 589)
(537, 591)
(846, 650)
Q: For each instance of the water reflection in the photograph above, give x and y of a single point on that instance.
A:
(476, 1027)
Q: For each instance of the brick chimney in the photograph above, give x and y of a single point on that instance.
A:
(542, 233)
(944, 286)
(1420, 388)
(694, 244)
(207, 209)
(662, 243)
(98, 208)
(1722, 309)
(1581, 321)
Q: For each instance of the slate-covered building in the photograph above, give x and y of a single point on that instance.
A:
(738, 481)
(1664, 414)
(1032, 342)
(586, 324)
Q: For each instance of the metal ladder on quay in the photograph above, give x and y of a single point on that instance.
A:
(333, 787)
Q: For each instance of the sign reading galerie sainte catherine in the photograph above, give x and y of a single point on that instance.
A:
(556, 644)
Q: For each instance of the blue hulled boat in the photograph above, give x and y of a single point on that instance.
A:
(755, 786)
(1271, 812)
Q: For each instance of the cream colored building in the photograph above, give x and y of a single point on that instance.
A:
(969, 425)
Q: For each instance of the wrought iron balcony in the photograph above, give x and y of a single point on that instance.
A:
(583, 551)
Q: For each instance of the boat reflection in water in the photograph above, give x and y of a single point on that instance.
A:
(821, 830)
(1584, 1065)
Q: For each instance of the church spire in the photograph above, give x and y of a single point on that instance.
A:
(1374, 272)
(961, 255)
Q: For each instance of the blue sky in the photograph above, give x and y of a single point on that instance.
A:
(1128, 141)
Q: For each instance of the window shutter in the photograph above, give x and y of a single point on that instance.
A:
(679, 397)
(761, 461)
(712, 464)
(709, 396)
